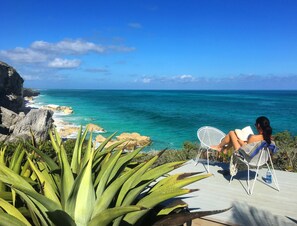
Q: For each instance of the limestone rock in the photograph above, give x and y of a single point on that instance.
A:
(39, 121)
(134, 140)
(9, 119)
(67, 131)
(55, 108)
(100, 138)
(11, 88)
(95, 128)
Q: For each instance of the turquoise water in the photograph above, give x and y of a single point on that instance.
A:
(172, 117)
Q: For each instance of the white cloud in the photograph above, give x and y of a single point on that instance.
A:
(74, 47)
(146, 80)
(24, 55)
(186, 78)
(46, 52)
(64, 63)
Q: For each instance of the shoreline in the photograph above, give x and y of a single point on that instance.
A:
(69, 130)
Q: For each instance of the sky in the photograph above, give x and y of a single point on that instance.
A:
(150, 44)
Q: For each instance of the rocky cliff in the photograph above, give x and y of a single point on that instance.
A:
(15, 120)
(11, 88)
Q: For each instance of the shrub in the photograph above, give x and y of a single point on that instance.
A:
(93, 187)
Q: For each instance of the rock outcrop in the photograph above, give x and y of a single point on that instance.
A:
(130, 140)
(95, 128)
(57, 108)
(16, 121)
(30, 92)
(11, 88)
(39, 121)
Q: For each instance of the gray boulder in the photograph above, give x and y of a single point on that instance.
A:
(39, 121)
(11, 88)
(9, 118)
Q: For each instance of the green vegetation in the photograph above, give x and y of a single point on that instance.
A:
(72, 183)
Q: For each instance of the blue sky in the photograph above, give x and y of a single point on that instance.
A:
(134, 44)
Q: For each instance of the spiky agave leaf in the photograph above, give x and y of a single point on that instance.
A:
(122, 162)
(60, 217)
(163, 193)
(110, 192)
(76, 157)
(82, 197)
(177, 219)
(9, 220)
(107, 169)
(67, 179)
(2, 162)
(11, 210)
(46, 185)
(128, 194)
(176, 204)
(16, 160)
(108, 215)
(152, 200)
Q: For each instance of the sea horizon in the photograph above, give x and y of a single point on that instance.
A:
(171, 117)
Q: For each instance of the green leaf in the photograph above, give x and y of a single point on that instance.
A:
(60, 217)
(181, 218)
(110, 192)
(152, 200)
(108, 215)
(88, 151)
(67, 179)
(102, 146)
(9, 220)
(134, 179)
(11, 210)
(107, 169)
(2, 162)
(17, 158)
(179, 181)
(47, 187)
(82, 197)
(122, 162)
(10, 177)
(76, 157)
(36, 209)
(173, 206)
(47, 203)
(49, 161)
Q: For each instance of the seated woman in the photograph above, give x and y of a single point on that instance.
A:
(264, 133)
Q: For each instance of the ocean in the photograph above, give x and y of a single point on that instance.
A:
(172, 117)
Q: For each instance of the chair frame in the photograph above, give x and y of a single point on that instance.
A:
(258, 165)
(204, 146)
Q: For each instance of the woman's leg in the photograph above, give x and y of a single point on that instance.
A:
(229, 139)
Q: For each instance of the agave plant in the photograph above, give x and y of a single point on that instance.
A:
(97, 187)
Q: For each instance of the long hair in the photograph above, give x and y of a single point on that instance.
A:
(264, 123)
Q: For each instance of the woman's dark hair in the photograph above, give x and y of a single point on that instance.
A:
(264, 124)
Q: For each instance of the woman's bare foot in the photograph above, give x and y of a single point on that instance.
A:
(216, 148)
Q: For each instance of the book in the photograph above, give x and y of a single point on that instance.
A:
(244, 133)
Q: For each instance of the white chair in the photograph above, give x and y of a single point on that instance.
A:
(208, 136)
(259, 156)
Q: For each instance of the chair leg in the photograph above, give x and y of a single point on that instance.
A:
(274, 178)
(207, 159)
(255, 178)
(198, 156)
